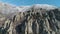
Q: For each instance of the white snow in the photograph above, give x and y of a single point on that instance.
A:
(44, 6)
(8, 8)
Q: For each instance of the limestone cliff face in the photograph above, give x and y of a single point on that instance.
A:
(33, 21)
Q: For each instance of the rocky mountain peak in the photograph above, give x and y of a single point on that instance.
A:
(36, 19)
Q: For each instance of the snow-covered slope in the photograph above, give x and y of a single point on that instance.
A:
(7, 8)
(44, 6)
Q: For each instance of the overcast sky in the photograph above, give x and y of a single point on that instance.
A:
(31, 2)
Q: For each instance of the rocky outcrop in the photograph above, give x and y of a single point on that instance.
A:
(38, 21)
(33, 21)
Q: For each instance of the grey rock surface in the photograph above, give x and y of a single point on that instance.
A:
(34, 20)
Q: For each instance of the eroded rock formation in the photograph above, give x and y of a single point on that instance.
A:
(33, 21)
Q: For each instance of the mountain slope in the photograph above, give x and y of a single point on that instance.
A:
(35, 19)
(38, 21)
